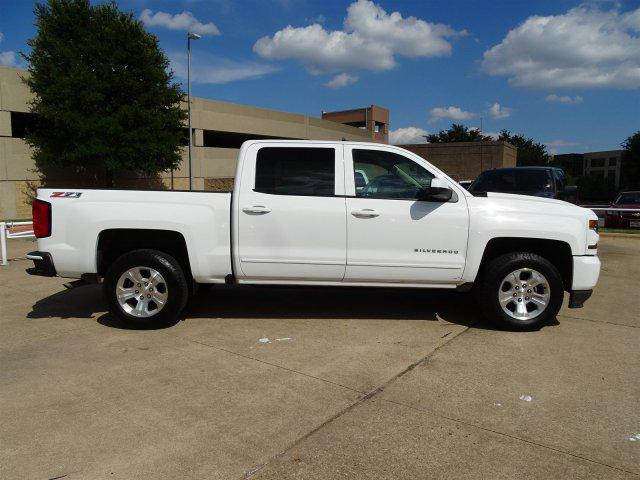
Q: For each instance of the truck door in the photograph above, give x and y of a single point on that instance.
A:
(291, 212)
(391, 236)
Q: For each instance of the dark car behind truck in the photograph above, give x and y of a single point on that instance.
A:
(548, 182)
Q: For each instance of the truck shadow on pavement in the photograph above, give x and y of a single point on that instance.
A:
(245, 302)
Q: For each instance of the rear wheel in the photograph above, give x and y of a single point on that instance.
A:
(520, 290)
(146, 288)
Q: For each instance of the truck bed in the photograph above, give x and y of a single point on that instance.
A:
(80, 216)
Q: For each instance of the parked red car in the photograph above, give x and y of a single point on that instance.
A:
(630, 219)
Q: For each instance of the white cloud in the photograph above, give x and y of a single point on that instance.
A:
(493, 135)
(317, 19)
(180, 21)
(341, 80)
(370, 40)
(209, 69)
(452, 113)
(582, 48)
(407, 135)
(498, 112)
(7, 58)
(561, 143)
(564, 99)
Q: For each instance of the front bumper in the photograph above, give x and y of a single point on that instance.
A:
(586, 270)
(42, 264)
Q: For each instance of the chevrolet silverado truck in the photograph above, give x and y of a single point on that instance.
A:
(327, 214)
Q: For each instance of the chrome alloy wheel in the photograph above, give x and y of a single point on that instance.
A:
(142, 292)
(524, 294)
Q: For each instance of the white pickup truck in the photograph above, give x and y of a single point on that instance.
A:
(321, 213)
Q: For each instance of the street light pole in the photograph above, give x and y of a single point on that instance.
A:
(190, 36)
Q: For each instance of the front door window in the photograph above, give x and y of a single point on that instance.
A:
(380, 174)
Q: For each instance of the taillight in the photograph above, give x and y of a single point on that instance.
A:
(593, 225)
(41, 211)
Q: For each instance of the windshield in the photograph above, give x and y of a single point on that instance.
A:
(511, 181)
(629, 197)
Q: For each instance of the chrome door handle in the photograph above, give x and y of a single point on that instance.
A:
(365, 213)
(256, 210)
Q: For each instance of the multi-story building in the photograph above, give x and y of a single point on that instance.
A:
(606, 164)
(373, 119)
(219, 128)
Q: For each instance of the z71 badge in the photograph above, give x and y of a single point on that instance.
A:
(66, 194)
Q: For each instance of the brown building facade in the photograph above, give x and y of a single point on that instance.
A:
(466, 160)
(373, 119)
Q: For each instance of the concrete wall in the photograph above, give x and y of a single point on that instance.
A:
(466, 160)
(212, 167)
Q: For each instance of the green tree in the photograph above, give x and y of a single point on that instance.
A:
(105, 99)
(630, 177)
(457, 133)
(530, 152)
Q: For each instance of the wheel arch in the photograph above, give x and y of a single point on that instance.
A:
(113, 243)
(555, 251)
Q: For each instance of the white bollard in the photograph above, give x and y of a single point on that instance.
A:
(3, 242)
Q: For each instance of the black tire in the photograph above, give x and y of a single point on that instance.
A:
(492, 276)
(177, 288)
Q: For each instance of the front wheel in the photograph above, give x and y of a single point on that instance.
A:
(520, 290)
(146, 288)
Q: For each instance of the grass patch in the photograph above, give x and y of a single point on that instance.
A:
(15, 220)
(619, 230)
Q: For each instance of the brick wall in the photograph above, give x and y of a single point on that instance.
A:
(466, 160)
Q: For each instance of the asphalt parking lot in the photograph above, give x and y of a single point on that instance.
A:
(294, 383)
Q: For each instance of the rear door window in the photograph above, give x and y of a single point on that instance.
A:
(296, 171)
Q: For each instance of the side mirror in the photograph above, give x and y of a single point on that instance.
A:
(437, 191)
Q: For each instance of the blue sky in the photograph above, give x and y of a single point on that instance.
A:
(563, 72)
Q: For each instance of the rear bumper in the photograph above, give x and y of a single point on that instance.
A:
(42, 264)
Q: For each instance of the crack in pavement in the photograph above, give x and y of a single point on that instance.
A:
(570, 317)
(508, 435)
(373, 393)
(348, 408)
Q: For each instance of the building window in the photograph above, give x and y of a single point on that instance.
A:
(184, 139)
(597, 162)
(613, 161)
(296, 171)
(22, 123)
